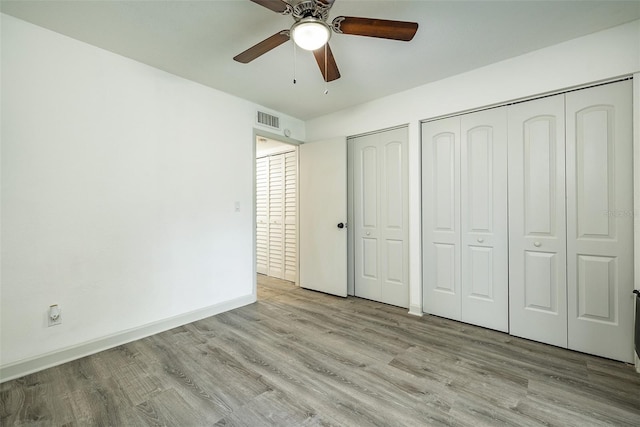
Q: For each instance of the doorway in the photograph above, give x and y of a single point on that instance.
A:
(276, 209)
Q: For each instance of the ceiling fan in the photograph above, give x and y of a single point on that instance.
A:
(311, 31)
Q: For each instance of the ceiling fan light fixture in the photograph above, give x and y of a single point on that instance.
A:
(310, 33)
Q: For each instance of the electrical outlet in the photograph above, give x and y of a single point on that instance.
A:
(55, 315)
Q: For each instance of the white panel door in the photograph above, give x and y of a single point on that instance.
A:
(600, 220)
(381, 217)
(441, 291)
(290, 213)
(394, 217)
(366, 184)
(537, 233)
(262, 215)
(276, 217)
(323, 205)
(483, 160)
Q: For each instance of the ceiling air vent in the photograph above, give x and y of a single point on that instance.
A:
(268, 120)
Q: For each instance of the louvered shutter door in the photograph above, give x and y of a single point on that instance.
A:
(290, 211)
(276, 217)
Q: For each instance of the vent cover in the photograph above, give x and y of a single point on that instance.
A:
(268, 120)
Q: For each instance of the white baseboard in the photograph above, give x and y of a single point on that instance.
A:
(415, 310)
(30, 365)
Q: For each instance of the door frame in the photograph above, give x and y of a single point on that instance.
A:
(636, 190)
(285, 140)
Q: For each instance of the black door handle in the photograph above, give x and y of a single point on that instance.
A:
(341, 225)
(637, 292)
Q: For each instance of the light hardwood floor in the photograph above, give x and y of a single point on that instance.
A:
(302, 358)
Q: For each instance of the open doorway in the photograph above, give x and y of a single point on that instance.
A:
(276, 212)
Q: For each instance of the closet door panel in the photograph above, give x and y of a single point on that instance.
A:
(537, 235)
(600, 220)
(366, 214)
(478, 156)
(483, 160)
(290, 214)
(480, 274)
(540, 291)
(276, 216)
(381, 217)
(444, 272)
(394, 217)
(441, 287)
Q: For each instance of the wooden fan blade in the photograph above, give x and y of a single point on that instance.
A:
(330, 72)
(326, 3)
(277, 6)
(381, 28)
(263, 47)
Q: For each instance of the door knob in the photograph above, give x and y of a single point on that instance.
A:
(368, 233)
(341, 225)
(480, 240)
(537, 244)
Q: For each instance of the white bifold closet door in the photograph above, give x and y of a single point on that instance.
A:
(441, 218)
(465, 218)
(537, 233)
(483, 189)
(600, 220)
(570, 228)
(571, 264)
(276, 213)
(380, 200)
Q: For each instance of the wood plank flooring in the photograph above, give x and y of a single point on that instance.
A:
(302, 358)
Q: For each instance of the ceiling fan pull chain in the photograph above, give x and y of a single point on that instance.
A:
(294, 63)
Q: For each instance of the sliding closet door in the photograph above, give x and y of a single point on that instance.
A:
(441, 291)
(262, 215)
(483, 160)
(600, 220)
(537, 234)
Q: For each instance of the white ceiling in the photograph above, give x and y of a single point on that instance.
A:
(198, 39)
(268, 146)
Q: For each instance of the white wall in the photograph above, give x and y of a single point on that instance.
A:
(118, 190)
(599, 56)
